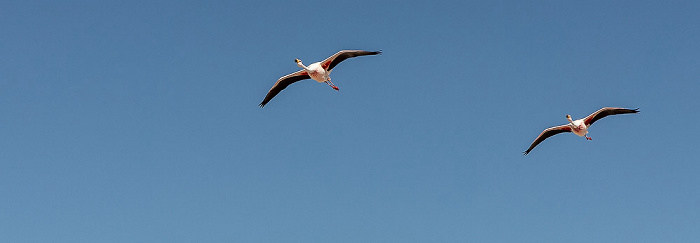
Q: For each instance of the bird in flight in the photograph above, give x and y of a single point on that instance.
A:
(318, 71)
(580, 126)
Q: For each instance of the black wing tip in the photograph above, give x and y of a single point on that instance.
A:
(262, 104)
(377, 52)
(633, 111)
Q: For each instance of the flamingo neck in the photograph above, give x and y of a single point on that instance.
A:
(301, 65)
(571, 124)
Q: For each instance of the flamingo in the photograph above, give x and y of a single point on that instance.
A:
(580, 126)
(318, 71)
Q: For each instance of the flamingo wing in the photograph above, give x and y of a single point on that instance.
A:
(333, 60)
(546, 134)
(607, 111)
(282, 83)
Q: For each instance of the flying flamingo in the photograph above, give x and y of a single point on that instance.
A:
(580, 126)
(318, 71)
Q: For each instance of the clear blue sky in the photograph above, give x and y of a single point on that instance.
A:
(137, 121)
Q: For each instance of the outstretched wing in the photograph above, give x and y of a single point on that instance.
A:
(546, 134)
(332, 61)
(590, 119)
(282, 83)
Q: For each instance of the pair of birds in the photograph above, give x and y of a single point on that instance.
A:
(320, 72)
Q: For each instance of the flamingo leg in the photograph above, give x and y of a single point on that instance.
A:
(332, 85)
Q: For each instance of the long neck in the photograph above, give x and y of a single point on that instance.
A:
(570, 121)
(301, 65)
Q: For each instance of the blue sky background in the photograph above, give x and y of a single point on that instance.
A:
(137, 121)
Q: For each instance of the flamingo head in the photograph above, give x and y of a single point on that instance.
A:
(297, 60)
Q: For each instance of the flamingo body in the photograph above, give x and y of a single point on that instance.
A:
(579, 128)
(316, 72)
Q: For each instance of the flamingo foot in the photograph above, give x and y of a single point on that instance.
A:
(589, 138)
(335, 87)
